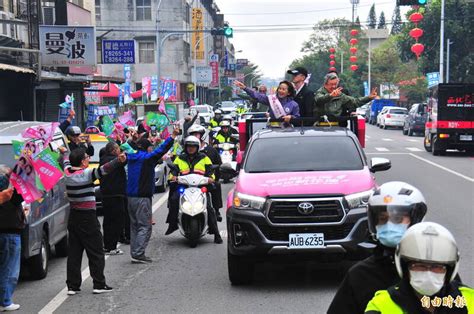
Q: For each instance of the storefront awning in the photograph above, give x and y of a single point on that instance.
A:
(14, 68)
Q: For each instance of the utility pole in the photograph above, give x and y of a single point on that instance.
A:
(158, 48)
(441, 44)
(448, 49)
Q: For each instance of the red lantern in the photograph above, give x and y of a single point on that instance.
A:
(331, 56)
(353, 50)
(354, 32)
(353, 41)
(332, 62)
(416, 33)
(353, 59)
(354, 67)
(416, 17)
(332, 69)
(332, 50)
(417, 49)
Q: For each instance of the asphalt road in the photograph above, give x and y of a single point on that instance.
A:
(185, 280)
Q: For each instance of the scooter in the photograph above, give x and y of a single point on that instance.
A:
(226, 151)
(193, 207)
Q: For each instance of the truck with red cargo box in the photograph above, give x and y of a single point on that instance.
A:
(450, 123)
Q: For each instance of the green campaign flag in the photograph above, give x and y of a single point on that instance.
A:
(158, 120)
(107, 125)
(50, 157)
(127, 148)
(151, 118)
(17, 147)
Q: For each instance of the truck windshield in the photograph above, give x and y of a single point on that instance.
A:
(290, 154)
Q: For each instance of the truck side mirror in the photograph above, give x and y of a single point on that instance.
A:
(379, 164)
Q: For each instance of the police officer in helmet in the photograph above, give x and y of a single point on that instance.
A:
(392, 208)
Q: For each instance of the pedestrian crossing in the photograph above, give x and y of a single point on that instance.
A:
(410, 149)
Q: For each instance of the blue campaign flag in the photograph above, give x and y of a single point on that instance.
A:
(118, 51)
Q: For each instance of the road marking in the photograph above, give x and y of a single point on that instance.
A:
(412, 140)
(367, 136)
(387, 140)
(223, 233)
(387, 153)
(59, 299)
(443, 167)
(414, 149)
(381, 149)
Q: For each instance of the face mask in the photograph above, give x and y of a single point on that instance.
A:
(390, 234)
(426, 282)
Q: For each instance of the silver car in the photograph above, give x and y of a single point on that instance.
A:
(46, 221)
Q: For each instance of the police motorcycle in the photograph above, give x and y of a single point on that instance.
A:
(194, 204)
(228, 152)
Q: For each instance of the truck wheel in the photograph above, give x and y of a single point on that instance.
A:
(38, 264)
(240, 269)
(61, 247)
(194, 232)
(429, 147)
(436, 150)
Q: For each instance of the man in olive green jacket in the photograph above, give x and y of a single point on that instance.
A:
(330, 101)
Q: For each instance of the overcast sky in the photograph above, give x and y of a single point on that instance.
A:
(274, 51)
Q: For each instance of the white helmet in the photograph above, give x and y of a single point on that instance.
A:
(428, 242)
(397, 199)
(227, 117)
(197, 128)
(192, 141)
(224, 123)
(217, 111)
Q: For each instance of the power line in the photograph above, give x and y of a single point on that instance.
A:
(306, 11)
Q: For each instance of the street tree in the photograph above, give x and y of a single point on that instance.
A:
(459, 28)
(396, 21)
(382, 24)
(372, 19)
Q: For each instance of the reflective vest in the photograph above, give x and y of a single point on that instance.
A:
(221, 138)
(383, 303)
(213, 123)
(197, 166)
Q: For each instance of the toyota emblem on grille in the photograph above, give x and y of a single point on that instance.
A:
(305, 208)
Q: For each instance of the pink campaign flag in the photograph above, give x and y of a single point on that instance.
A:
(48, 174)
(127, 118)
(162, 107)
(23, 178)
(42, 132)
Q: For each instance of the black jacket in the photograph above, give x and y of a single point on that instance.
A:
(115, 183)
(213, 155)
(12, 217)
(377, 272)
(305, 100)
(89, 148)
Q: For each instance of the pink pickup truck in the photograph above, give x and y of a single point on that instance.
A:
(301, 192)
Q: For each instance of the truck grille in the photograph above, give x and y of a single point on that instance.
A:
(317, 211)
(336, 232)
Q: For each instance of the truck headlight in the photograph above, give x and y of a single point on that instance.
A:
(358, 199)
(246, 201)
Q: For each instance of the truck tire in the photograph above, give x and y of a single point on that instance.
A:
(38, 264)
(428, 148)
(241, 270)
(436, 150)
(61, 247)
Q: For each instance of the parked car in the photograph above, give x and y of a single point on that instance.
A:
(308, 208)
(376, 106)
(46, 222)
(393, 117)
(415, 120)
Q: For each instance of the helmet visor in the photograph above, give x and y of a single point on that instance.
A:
(380, 215)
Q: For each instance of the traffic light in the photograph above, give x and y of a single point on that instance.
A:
(223, 31)
(411, 2)
(228, 32)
